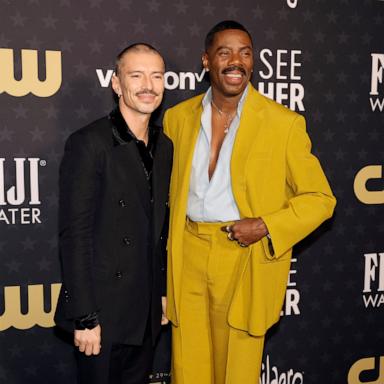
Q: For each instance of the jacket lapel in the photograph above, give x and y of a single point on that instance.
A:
(251, 122)
(188, 137)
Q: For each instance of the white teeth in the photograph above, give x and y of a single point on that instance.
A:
(237, 76)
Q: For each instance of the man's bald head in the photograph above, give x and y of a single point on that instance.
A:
(138, 48)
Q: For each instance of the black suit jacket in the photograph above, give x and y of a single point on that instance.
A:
(112, 233)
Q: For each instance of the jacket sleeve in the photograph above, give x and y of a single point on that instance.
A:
(78, 187)
(312, 201)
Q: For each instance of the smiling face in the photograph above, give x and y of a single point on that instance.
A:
(140, 81)
(230, 62)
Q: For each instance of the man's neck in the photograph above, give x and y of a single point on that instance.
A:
(227, 104)
(137, 122)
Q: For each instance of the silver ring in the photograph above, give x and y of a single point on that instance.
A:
(230, 236)
(242, 244)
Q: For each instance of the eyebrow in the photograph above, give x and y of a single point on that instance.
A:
(227, 47)
(138, 71)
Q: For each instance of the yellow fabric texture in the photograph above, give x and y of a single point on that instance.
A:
(274, 176)
(205, 348)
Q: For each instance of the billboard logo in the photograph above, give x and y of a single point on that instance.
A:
(365, 365)
(370, 173)
(281, 77)
(24, 191)
(172, 80)
(30, 82)
(271, 375)
(13, 316)
(373, 293)
(377, 79)
(292, 295)
(292, 3)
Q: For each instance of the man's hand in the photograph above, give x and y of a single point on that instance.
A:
(88, 340)
(164, 319)
(247, 231)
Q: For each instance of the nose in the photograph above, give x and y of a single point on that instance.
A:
(235, 58)
(148, 83)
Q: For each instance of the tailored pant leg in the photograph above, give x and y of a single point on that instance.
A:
(191, 341)
(245, 353)
(94, 369)
(206, 350)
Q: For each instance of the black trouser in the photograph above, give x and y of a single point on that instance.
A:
(117, 364)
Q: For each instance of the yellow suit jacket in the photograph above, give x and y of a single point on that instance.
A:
(275, 177)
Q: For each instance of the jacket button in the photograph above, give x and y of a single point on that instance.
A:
(126, 241)
(122, 203)
(119, 275)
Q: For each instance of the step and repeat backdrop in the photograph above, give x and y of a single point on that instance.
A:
(323, 59)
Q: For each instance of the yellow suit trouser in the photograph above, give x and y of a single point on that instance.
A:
(206, 350)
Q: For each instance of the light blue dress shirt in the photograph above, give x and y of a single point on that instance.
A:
(212, 200)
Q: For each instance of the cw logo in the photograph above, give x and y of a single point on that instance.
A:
(30, 82)
(363, 365)
(360, 185)
(12, 316)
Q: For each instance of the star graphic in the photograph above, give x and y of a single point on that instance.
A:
(82, 112)
(66, 45)
(49, 22)
(330, 57)
(270, 33)
(283, 13)
(168, 28)
(95, 46)
(4, 41)
(342, 38)
(81, 69)
(37, 134)
(232, 11)
(95, 3)
(13, 266)
(18, 20)
(181, 7)
(139, 26)
(194, 29)
(319, 37)
(28, 244)
(258, 13)
(6, 134)
(34, 43)
(81, 23)
(208, 9)
(45, 265)
(153, 5)
(51, 111)
(125, 4)
(110, 25)
(308, 15)
(20, 111)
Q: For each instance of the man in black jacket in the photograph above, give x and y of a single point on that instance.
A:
(114, 180)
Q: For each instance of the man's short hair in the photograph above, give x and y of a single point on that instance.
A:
(136, 47)
(222, 26)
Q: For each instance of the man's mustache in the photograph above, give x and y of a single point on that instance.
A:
(147, 92)
(234, 68)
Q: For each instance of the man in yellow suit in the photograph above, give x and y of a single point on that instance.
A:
(245, 189)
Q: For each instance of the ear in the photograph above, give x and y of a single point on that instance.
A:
(116, 85)
(205, 61)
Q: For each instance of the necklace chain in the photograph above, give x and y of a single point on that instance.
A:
(229, 117)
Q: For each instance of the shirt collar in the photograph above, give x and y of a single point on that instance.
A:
(207, 99)
(123, 134)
